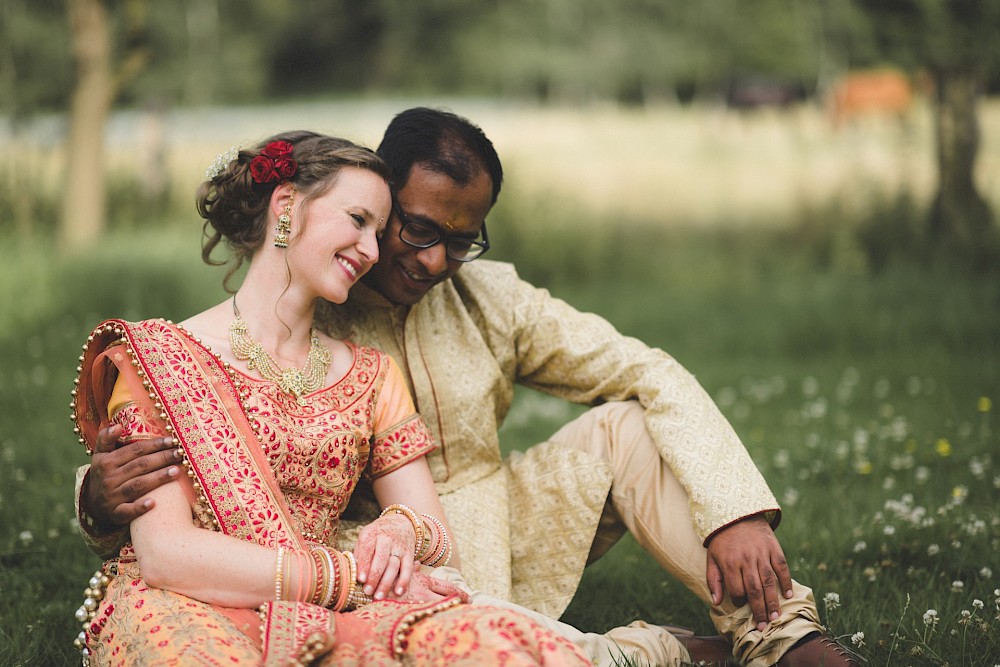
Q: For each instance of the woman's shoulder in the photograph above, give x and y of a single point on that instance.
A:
(136, 327)
(368, 356)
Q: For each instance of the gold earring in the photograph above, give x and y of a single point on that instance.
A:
(284, 226)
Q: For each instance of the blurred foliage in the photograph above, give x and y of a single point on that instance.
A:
(212, 52)
(232, 51)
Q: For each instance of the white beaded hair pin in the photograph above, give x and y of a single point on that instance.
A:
(221, 161)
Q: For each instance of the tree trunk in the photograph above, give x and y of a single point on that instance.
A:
(960, 217)
(83, 208)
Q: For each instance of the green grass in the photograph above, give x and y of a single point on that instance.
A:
(868, 400)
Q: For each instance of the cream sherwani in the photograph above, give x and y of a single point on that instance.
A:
(464, 346)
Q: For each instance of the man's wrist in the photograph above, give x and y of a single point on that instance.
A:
(93, 526)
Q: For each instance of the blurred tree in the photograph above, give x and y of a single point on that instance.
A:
(955, 42)
(33, 57)
(636, 51)
(101, 73)
(33, 77)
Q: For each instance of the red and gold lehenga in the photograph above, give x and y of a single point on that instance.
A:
(267, 468)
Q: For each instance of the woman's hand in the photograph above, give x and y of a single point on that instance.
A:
(385, 556)
(425, 588)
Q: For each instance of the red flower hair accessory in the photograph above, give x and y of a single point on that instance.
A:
(274, 163)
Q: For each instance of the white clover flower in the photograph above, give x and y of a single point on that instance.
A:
(860, 546)
(931, 618)
(923, 473)
(831, 600)
(842, 449)
(933, 550)
(26, 537)
(975, 527)
(986, 572)
(966, 613)
(957, 586)
(956, 544)
(977, 604)
(889, 530)
(881, 388)
(858, 639)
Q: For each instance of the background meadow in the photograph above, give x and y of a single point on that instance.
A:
(782, 262)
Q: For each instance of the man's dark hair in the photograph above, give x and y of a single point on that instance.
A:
(440, 141)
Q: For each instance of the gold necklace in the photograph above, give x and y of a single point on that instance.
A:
(290, 380)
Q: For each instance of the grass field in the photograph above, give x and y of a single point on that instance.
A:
(869, 399)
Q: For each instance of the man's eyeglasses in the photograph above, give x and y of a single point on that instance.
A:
(420, 235)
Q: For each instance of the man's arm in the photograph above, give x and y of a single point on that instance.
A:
(582, 358)
(113, 491)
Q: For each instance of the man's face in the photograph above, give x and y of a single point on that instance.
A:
(405, 273)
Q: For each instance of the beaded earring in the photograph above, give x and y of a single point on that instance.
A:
(284, 226)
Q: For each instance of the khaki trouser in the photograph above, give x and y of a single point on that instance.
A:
(653, 644)
(647, 500)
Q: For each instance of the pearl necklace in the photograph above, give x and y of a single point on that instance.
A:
(290, 380)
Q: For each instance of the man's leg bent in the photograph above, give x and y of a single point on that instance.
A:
(647, 499)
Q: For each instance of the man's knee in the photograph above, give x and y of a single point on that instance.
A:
(606, 430)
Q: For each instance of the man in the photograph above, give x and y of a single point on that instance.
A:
(654, 455)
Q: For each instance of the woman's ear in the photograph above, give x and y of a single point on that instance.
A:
(281, 196)
(280, 210)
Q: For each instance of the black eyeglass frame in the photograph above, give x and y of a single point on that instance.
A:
(406, 221)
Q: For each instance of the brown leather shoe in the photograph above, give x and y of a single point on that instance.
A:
(711, 651)
(817, 650)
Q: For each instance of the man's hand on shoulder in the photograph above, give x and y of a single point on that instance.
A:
(745, 560)
(120, 476)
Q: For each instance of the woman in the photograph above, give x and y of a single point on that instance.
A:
(276, 423)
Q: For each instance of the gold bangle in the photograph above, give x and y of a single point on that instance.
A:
(439, 553)
(358, 598)
(418, 524)
(352, 578)
(279, 574)
(308, 576)
(330, 575)
(340, 563)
